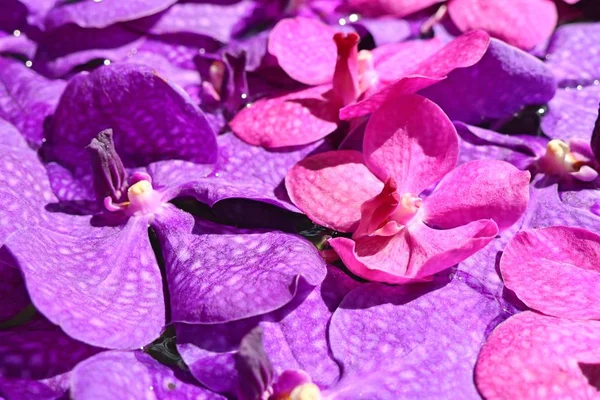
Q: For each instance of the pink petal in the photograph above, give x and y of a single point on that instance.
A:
(288, 120)
(413, 254)
(412, 141)
(464, 51)
(555, 271)
(330, 188)
(304, 49)
(377, 8)
(394, 61)
(532, 356)
(480, 189)
(521, 23)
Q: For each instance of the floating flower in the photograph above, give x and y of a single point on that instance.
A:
(399, 233)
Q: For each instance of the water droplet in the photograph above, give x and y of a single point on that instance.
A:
(597, 82)
(567, 89)
(134, 51)
(342, 21)
(244, 95)
(579, 87)
(353, 17)
(201, 51)
(106, 62)
(28, 63)
(248, 105)
(97, 1)
(17, 32)
(216, 175)
(44, 140)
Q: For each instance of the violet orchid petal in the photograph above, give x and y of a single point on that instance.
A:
(21, 45)
(10, 136)
(503, 81)
(386, 30)
(135, 375)
(572, 113)
(595, 140)
(476, 190)
(521, 23)
(304, 49)
(253, 366)
(108, 291)
(221, 265)
(412, 141)
(290, 119)
(555, 271)
(376, 8)
(432, 338)
(108, 98)
(550, 354)
(330, 188)
(12, 288)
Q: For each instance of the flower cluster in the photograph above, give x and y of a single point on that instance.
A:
(299, 199)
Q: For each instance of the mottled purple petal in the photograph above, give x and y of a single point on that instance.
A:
(572, 113)
(26, 99)
(133, 375)
(218, 274)
(408, 342)
(107, 291)
(11, 43)
(137, 104)
(500, 84)
(10, 136)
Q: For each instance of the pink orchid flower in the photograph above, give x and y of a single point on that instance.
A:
(521, 23)
(398, 233)
(338, 74)
(554, 271)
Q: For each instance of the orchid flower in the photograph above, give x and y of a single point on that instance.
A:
(551, 351)
(399, 233)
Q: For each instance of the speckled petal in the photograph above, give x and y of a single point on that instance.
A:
(533, 356)
(331, 187)
(521, 23)
(10, 136)
(505, 80)
(218, 274)
(479, 190)
(36, 359)
(287, 120)
(581, 42)
(411, 140)
(133, 375)
(100, 14)
(26, 99)
(304, 49)
(152, 120)
(107, 290)
(555, 271)
(572, 113)
(431, 336)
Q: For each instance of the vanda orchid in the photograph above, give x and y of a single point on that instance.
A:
(299, 199)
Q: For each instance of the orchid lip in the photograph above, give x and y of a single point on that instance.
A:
(561, 160)
(142, 198)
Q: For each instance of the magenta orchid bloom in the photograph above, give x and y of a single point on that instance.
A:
(339, 75)
(398, 233)
(521, 23)
(554, 271)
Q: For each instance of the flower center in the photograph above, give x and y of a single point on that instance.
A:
(562, 160)
(387, 213)
(295, 385)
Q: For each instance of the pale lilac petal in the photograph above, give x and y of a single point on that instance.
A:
(218, 274)
(501, 83)
(555, 271)
(287, 120)
(330, 188)
(304, 49)
(137, 104)
(412, 141)
(107, 291)
(133, 375)
(572, 113)
(521, 23)
(534, 356)
(375, 8)
(27, 99)
(394, 61)
(481, 189)
(581, 42)
(22, 45)
(10, 136)
(431, 337)
(100, 14)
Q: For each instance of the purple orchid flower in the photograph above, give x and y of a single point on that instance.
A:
(398, 234)
(108, 290)
(551, 351)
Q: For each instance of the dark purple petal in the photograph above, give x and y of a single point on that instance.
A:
(137, 104)
(133, 375)
(253, 366)
(505, 80)
(218, 274)
(100, 14)
(407, 342)
(107, 291)
(13, 294)
(26, 99)
(572, 113)
(386, 29)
